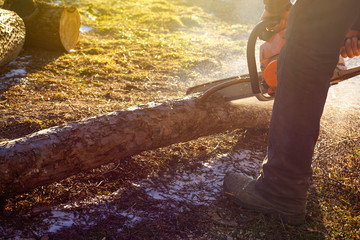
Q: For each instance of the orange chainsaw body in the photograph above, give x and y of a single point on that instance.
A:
(269, 53)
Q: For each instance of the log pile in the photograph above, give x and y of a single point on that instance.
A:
(59, 152)
(48, 26)
(12, 36)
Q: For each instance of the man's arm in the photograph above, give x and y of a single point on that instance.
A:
(277, 6)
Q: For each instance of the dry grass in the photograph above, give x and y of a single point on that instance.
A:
(138, 52)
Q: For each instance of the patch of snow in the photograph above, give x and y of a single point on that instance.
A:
(84, 29)
(20, 61)
(133, 108)
(202, 186)
(59, 220)
(152, 104)
(16, 72)
(155, 194)
(142, 106)
(133, 217)
(89, 16)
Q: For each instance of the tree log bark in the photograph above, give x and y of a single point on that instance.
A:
(59, 152)
(12, 36)
(48, 26)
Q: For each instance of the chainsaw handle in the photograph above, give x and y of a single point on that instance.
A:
(259, 31)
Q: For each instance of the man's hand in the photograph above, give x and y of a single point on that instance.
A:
(283, 22)
(351, 47)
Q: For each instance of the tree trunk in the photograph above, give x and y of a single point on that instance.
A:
(59, 152)
(48, 26)
(12, 36)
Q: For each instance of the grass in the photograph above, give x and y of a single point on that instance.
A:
(336, 175)
(146, 50)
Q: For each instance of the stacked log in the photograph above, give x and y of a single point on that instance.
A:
(48, 26)
(12, 36)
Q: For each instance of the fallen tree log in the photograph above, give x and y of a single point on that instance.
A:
(48, 26)
(59, 152)
(12, 36)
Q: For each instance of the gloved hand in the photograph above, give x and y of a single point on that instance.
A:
(351, 47)
(283, 22)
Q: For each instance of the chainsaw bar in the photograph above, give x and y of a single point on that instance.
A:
(343, 75)
(239, 87)
(231, 88)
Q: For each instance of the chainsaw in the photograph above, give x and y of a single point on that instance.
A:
(261, 84)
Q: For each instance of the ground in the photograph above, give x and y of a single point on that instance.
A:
(133, 52)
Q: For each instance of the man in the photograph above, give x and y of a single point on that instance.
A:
(317, 30)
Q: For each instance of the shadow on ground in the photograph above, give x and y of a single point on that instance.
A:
(29, 61)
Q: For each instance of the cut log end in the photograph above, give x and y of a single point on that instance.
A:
(12, 36)
(48, 26)
(69, 28)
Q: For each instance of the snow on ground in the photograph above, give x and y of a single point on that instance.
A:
(84, 29)
(59, 220)
(17, 75)
(200, 186)
(89, 16)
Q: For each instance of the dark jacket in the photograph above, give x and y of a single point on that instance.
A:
(277, 6)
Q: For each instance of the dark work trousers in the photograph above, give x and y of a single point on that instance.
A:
(315, 34)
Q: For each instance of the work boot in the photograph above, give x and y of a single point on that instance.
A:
(242, 190)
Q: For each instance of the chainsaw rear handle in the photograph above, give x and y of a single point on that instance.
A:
(259, 31)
